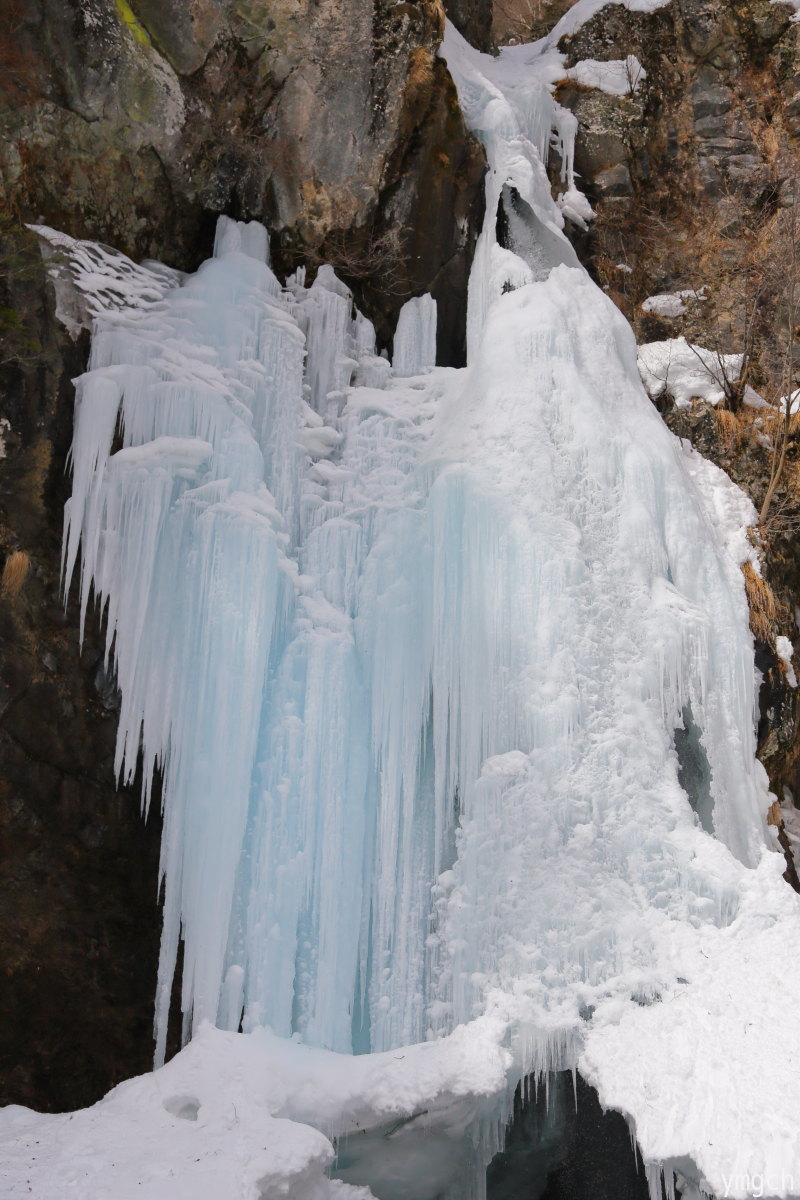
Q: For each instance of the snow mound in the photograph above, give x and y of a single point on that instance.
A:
(616, 77)
(672, 304)
(706, 1073)
(252, 1115)
(686, 372)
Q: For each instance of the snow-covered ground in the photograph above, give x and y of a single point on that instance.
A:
(452, 683)
(687, 372)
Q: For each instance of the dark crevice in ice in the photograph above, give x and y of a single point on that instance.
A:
(565, 1147)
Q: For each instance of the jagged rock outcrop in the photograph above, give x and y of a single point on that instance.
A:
(706, 118)
(135, 124)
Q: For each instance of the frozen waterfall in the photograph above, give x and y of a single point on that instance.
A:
(410, 646)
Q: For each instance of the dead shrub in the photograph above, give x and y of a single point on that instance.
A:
(15, 572)
(419, 82)
(765, 610)
(734, 431)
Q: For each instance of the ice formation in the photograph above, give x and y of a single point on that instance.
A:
(450, 680)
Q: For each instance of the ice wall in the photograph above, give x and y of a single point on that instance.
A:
(410, 647)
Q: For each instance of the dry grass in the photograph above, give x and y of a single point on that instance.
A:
(764, 608)
(421, 75)
(15, 572)
(773, 422)
(735, 430)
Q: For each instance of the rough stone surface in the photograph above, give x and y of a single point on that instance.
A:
(561, 1145)
(135, 124)
(78, 866)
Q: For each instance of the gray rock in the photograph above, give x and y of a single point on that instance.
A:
(141, 121)
(710, 177)
(711, 126)
(183, 32)
(710, 96)
(614, 182)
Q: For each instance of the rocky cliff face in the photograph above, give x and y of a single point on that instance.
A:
(78, 912)
(135, 124)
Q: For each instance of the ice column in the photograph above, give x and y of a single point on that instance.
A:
(415, 337)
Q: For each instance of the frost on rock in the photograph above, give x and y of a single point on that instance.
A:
(450, 679)
(785, 651)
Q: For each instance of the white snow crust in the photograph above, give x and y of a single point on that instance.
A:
(785, 651)
(232, 1114)
(672, 304)
(686, 372)
(412, 646)
(616, 77)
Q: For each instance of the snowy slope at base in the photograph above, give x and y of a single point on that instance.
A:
(230, 1117)
(709, 1074)
(450, 677)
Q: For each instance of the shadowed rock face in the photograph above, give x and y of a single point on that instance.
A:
(79, 924)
